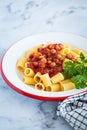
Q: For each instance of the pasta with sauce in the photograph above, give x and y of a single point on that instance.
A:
(43, 66)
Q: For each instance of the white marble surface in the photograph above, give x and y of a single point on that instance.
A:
(20, 18)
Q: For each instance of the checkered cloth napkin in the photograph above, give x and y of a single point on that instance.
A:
(74, 111)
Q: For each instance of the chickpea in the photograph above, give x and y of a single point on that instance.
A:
(53, 51)
(57, 61)
(59, 57)
(47, 51)
(41, 56)
(60, 68)
(44, 60)
(49, 61)
(46, 70)
(70, 56)
(35, 64)
(53, 64)
(40, 49)
(74, 60)
(31, 56)
(60, 45)
(41, 65)
(50, 46)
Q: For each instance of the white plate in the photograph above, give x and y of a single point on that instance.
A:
(8, 64)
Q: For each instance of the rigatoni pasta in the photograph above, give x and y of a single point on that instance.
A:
(39, 86)
(37, 77)
(46, 79)
(78, 51)
(21, 64)
(28, 80)
(65, 51)
(67, 86)
(29, 72)
(43, 66)
(55, 87)
(57, 78)
(76, 55)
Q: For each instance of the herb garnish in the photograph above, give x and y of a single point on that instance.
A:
(77, 71)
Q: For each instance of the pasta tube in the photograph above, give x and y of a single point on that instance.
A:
(67, 86)
(21, 64)
(55, 87)
(65, 81)
(39, 86)
(57, 78)
(28, 72)
(28, 80)
(46, 80)
(48, 88)
(65, 51)
(37, 77)
(77, 51)
(26, 63)
(67, 46)
(75, 54)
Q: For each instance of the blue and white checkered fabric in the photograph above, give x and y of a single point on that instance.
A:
(74, 111)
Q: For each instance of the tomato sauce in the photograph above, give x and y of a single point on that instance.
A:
(47, 59)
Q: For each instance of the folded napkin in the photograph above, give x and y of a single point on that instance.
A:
(74, 111)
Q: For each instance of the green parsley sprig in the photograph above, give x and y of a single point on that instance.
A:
(77, 71)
